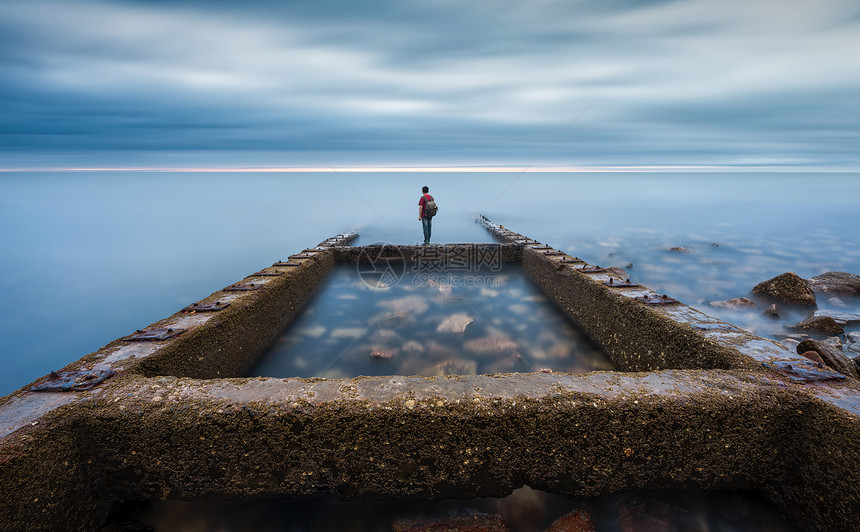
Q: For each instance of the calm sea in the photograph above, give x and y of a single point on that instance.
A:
(89, 257)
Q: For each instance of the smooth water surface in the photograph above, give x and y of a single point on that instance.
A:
(90, 257)
(430, 324)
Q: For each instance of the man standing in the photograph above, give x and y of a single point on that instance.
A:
(424, 216)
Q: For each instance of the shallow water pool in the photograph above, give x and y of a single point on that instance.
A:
(429, 324)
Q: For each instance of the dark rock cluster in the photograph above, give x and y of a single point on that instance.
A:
(818, 337)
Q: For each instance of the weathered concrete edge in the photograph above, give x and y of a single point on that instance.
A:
(581, 435)
(605, 312)
(210, 345)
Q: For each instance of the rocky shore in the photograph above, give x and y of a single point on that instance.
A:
(824, 336)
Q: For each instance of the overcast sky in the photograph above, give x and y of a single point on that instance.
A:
(434, 82)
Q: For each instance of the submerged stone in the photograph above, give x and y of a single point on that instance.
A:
(787, 288)
(455, 324)
(772, 312)
(836, 283)
(679, 249)
(735, 304)
(823, 325)
(379, 352)
(490, 345)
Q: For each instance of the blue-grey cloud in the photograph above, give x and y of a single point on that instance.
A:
(383, 82)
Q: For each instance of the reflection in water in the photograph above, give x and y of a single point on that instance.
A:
(525, 510)
(475, 323)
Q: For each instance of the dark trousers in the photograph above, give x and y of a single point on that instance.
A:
(426, 224)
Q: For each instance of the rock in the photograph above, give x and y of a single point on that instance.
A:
(825, 325)
(737, 303)
(455, 323)
(842, 318)
(575, 521)
(772, 312)
(618, 273)
(786, 288)
(384, 353)
(476, 522)
(454, 366)
(490, 345)
(679, 249)
(836, 283)
(790, 343)
(832, 357)
(836, 302)
(813, 356)
(835, 341)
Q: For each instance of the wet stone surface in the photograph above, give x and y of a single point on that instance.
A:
(487, 322)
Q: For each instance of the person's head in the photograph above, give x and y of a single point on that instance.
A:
(425, 189)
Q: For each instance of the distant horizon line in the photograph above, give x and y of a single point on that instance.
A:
(441, 169)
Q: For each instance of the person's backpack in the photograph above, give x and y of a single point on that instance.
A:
(430, 208)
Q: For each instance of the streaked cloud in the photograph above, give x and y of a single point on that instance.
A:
(686, 82)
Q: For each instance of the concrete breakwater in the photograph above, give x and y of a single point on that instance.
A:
(697, 404)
